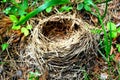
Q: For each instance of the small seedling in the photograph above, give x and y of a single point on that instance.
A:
(18, 9)
(49, 9)
(118, 47)
(4, 0)
(66, 8)
(114, 31)
(4, 46)
(24, 30)
(112, 28)
(86, 4)
(34, 75)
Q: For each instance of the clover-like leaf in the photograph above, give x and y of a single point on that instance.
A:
(113, 34)
(29, 27)
(25, 31)
(7, 10)
(13, 18)
(111, 26)
(49, 9)
(66, 8)
(14, 27)
(80, 6)
(88, 2)
(87, 8)
(118, 47)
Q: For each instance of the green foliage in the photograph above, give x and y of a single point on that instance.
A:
(66, 8)
(80, 6)
(113, 31)
(17, 8)
(86, 77)
(86, 4)
(42, 8)
(112, 57)
(24, 30)
(13, 18)
(14, 27)
(112, 27)
(4, 46)
(4, 0)
(118, 47)
(49, 9)
(34, 76)
(107, 42)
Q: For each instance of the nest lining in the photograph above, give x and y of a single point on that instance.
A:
(58, 35)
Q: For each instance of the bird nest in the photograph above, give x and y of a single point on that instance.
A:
(60, 45)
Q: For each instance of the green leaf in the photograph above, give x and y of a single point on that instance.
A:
(29, 27)
(87, 8)
(41, 8)
(21, 12)
(65, 8)
(34, 75)
(80, 6)
(113, 34)
(49, 9)
(25, 31)
(112, 57)
(13, 18)
(88, 2)
(24, 4)
(7, 10)
(4, 46)
(111, 26)
(4, 0)
(118, 47)
(14, 27)
(118, 30)
(21, 17)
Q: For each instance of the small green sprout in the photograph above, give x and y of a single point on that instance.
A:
(86, 4)
(4, 46)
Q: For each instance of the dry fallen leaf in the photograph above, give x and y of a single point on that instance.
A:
(117, 57)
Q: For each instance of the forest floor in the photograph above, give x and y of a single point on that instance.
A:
(12, 67)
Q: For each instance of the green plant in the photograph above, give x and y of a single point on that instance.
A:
(24, 30)
(114, 31)
(86, 77)
(66, 8)
(34, 75)
(118, 47)
(42, 8)
(107, 38)
(107, 42)
(86, 4)
(4, 46)
(4, 0)
(17, 8)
